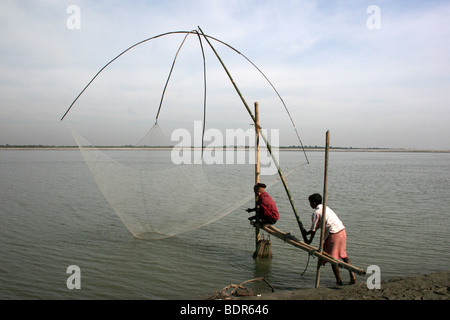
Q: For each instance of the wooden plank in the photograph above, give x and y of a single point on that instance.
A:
(287, 237)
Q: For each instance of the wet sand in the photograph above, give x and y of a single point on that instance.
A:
(434, 286)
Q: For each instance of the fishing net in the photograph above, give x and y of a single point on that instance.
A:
(155, 197)
(162, 200)
(167, 184)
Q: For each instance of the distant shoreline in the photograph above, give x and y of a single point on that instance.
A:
(308, 149)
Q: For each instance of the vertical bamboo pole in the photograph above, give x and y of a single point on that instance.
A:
(324, 207)
(257, 169)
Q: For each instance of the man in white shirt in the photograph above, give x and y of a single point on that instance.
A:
(335, 243)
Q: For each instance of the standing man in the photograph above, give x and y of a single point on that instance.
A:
(266, 209)
(335, 243)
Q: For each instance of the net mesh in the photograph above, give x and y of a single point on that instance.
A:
(165, 200)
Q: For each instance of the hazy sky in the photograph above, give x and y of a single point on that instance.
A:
(374, 73)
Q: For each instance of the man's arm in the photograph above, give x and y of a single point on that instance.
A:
(312, 233)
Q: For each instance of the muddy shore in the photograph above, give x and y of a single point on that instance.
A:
(434, 286)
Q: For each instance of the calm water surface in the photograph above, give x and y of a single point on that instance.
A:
(52, 215)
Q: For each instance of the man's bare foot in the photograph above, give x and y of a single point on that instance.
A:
(352, 281)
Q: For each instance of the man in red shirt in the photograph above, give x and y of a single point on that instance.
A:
(266, 209)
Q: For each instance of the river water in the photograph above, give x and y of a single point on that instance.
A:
(395, 206)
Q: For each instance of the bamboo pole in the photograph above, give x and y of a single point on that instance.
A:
(324, 206)
(257, 170)
(262, 246)
(269, 148)
(288, 238)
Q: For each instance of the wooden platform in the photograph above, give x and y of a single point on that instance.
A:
(287, 237)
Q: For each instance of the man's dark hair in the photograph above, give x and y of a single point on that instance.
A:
(315, 198)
